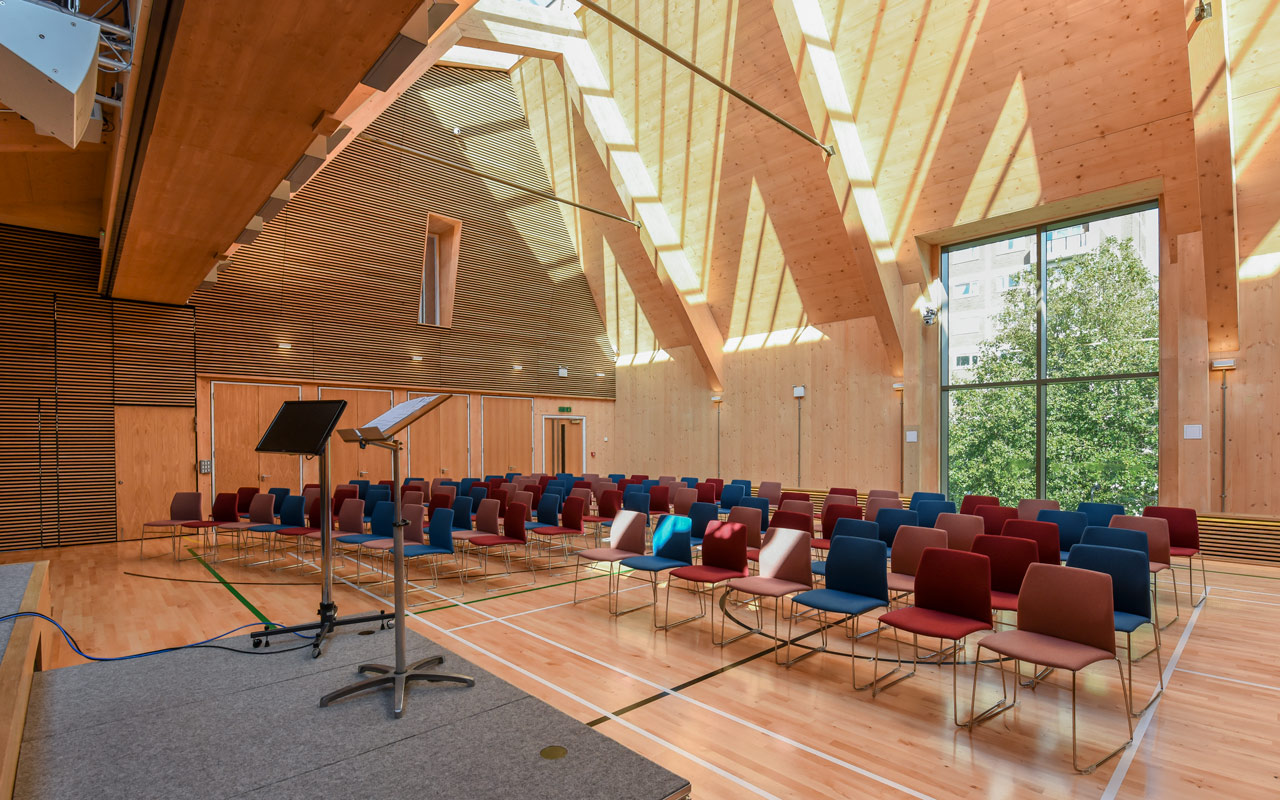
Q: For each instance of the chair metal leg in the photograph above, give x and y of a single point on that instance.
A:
(1159, 666)
(1075, 761)
(668, 625)
(1000, 706)
(876, 677)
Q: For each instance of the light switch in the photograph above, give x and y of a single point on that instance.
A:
(1192, 432)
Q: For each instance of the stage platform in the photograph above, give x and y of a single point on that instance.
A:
(207, 723)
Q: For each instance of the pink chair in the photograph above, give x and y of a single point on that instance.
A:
(784, 570)
(184, 507)
(961, 529)
(841, 495)
(971, 501)
(626, 539)
(874, 504)
(1184, 542)
(888, 494)
(771, 491)
(797, 506)
(1030, 509)
(904, 559)
(684, 498)
(514, 534)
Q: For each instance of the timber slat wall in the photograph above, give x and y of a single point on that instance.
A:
(337, 273)
(69, 358)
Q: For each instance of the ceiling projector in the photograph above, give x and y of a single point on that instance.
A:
(48, 68)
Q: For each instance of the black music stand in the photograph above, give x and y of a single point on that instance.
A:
(381, 433)
(303, 428)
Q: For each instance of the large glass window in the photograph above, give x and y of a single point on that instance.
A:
(1050, 362)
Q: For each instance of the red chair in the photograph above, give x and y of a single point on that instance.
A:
(639, 478)
(543, 480)
(994, 518)
(838, 494)
(581, 485)
(513, 535)
(1044, 534)
(909, 545)
(971, 501)
(244, 496)
(624, 483)
(784, 570)
(571, 518)
(724, 557)
(771, 491)
(792, 520)
(953, 600)
(1184, 541)
(706, 492)
(718, 483)
(222, 513)
(501, 496)
(832, 511)
(184, 507)
(439, 500)
(785, 496)
(659, 500)
(1010, 557)
(1066, 620)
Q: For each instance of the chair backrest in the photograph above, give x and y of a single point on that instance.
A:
(908, 545)
(797, 506)
(724, 545)
(833, 511)
(928, 510)
(574, 509)
(771, 491)
(954, 582)
(342, 495)
(684, 498)
(1130, 575)
(261, 508)
(1067, 603)
(785, 556)
(1100, 513)
(1156, 529)
(361, 485)
(292, 511)
(648, 483)
(743, 482)
(638, 501)
(186, 506)
(436, 483)
(543, 480)
(961, 530)
(718, 483)
(794, 520)
(1117, 537)
(802, 496)
(447, 489)
(1030, 508)
(610, 503)
(438, 500)
(731, 495)
(510, 488)
(920, 497)
(1071, 525)
(374, 495)
(861, 528)
(440, 531)
(639, 477)
(663, 480)
(841, 494)
(461, 514)
(315, 512)
(309, 494)
(351, 516)
(700, 514)
(706, 492)
(890, 519)
(411, 498)
(582, 493)
(487, 516)
(523, 498)
(631, 488)
(1010, 556)
(549, 510)
(761, 505)
(874, 504)
(855, 565)
(478, 493)
(671, 539)
(279, 493)
(660, 499)
(1184, 527)
(417, 486)
(616, 476)
(513, 522)
(381, 518)
(887, 494)
(244, 496)
(749, 518)
(1044, 534)
(413, 516)
(971, 501)
(994, 518)
(627, 532)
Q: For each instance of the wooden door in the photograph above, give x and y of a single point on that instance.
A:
(275, 469)
(438, 443)
(241, 413)
(571, 442)
(562, 445)
(347, 460)
(155, 457)
(506, 427)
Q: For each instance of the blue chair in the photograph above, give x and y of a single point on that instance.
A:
(1124, 538)
(692, 483)
(279, 494)
(461, 515)
(372, 496)
(731, 495)
(362, 486)
(380, 525)
(1071, 525)
(557, 486)
(699, 515)
(761, 503)
(477, 493)
(490, 478)
(856, 583)
(548, 515)
(614, 477)
(928, 511)
(565, 478)
(847, 526)
(890, 519)
(920, 497)
(1100, 514)
(745, 484)
(648, 484)
(408, 481)
(511, 476)
(634, 488)
(671, 549)
(464, 485)
(637, 502)
(1130, 588)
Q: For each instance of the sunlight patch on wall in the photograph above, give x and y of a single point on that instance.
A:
(640, 359)
(629, 331)
(1264, 262)
(779, 338)
(1008, 176)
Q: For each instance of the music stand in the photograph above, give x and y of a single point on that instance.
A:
(381, 433)
(303, 427)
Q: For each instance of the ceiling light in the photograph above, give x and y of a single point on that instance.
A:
(284, 345)
(564, 373)
(416, 358)
(599, 374)
(516, 367)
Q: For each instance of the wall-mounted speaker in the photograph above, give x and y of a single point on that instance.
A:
(48, 68)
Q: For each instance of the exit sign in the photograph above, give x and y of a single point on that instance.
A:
(565, 409)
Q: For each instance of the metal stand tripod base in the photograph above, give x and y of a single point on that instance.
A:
(399, 681)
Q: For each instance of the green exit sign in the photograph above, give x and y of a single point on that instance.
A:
(565, 409)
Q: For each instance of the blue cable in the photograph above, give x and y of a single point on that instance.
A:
(71, 642)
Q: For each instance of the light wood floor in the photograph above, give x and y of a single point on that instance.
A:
(739, 726)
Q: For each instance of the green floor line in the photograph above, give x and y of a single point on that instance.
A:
(234, 592)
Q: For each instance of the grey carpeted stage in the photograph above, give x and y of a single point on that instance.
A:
(13, 585)
(207, 723)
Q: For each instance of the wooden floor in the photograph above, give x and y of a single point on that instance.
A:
(736, 724)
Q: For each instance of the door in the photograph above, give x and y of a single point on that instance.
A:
(506, 434)
(562, 444)
(348, 461)
(241, 413)
(155, 458)
(440, 442)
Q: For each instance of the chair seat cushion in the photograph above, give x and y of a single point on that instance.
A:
(466, 535)
(380, 544)
(701, 573)
(416, 550)
(1156, 566)
(1128, 623)
(595, 519)
(1062, 555)
(818, 568)
(558, 531)
(358, 538)
(1004, 601)
(605, 554)
(767, 587)
(236, 526)
(456, 528)
(652, 563)
(298, 532)
(167, 523)
(1047, 651)
(928, 622)
(899, 582)
(533, 526)
(1183, 552)
(838, 602)
(267, 528)
(491, 540)
(819, 544)
(753, 553)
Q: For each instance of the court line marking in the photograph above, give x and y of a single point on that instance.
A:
(234, 592)
(1244, 600)
(1245, 591)
(1126, 760)
(528, 611)
(1230, 680)
(639, 679)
